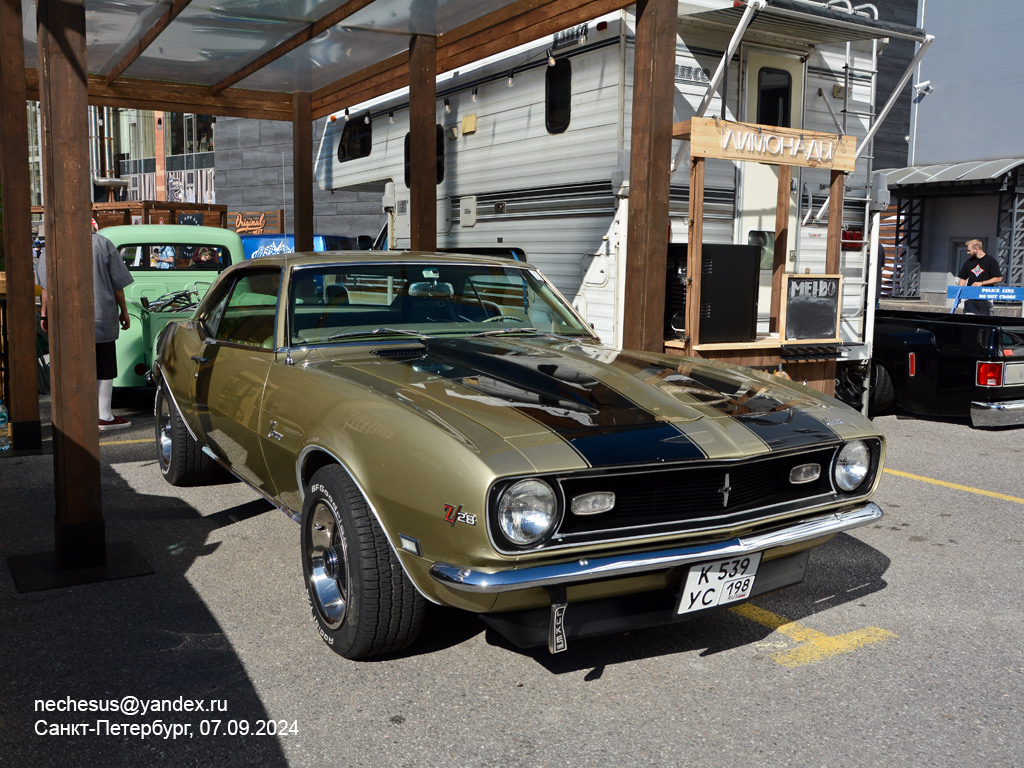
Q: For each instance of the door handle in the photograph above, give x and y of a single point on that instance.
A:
(200, 359)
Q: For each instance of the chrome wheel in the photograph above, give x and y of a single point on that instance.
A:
(328, 565)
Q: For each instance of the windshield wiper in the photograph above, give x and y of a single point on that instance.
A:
(377, 332)
(503, 331)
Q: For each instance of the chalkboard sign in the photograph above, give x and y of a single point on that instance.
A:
(810, 310)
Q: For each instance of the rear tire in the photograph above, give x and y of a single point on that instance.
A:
(359, 596)
(883, 391)
(181, 460)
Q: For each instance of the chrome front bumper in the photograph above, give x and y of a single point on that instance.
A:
(469, 580)
(1006, 414)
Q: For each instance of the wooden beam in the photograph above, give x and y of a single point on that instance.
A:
(134, 93)
(833, 245)
(388, 75)
(458, 49)
(782, 203)
(695, 238)
(649, 176)
(423, 143)
(79, 518)
(302, 171)
(23, 398)
(169, 14)
(302, 37)
(505, 28)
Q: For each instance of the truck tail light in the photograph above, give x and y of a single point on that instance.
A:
(990, 375)
(912, 364)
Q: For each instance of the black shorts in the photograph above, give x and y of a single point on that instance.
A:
(978, 307)
(106, 360)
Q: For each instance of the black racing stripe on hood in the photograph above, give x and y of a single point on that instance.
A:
(604, 426)
(787, 428)
(782, 425)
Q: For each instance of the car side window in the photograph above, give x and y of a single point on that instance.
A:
(247, 315)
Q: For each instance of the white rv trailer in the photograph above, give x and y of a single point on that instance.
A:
(533, 147)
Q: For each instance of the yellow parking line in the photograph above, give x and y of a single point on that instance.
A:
(127, 442)
(955, 486)
(813, 645)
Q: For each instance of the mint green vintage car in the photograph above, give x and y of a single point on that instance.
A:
(173, 262)
(446, 428)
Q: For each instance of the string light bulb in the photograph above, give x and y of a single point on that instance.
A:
(366, 119)
(346, 114)
(391, 116)
(551, 58)
(447, 106)
(510, 74)
(474, 94)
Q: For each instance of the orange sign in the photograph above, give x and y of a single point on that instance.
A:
(250, 225)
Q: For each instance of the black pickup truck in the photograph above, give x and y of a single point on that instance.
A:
(950, 365)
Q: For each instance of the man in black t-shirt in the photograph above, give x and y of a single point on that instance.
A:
(979, 269)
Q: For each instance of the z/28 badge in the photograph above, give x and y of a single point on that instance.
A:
(453, 515)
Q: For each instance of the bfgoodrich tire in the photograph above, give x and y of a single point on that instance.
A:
(883, 391)
(181, 460)
(360, 598)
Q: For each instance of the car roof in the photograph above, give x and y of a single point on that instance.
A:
(141, 234)
(378, 257)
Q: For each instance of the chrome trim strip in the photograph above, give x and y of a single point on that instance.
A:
(174, 402)
(469, 580)
(1006, 414)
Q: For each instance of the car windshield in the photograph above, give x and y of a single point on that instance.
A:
(345, 302)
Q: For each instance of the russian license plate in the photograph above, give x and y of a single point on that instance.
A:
(718, 583)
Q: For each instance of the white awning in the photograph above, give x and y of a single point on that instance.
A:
(950, 172)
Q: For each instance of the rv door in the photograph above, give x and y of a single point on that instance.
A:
(774, 86)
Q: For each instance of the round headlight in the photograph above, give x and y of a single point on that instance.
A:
(527, 511)
(852, 465)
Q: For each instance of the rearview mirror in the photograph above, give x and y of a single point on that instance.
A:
(432, 290)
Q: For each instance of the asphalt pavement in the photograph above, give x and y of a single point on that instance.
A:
(902, 647)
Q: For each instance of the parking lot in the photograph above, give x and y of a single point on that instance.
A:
(901, 648)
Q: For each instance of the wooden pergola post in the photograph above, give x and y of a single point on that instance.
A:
(423, 143)
(837, 185)
(695, 238)
(781, 243)
(23, 398)
(649, 175)
(79, 517)
(302, 169)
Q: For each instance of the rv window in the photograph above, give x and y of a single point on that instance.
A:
(558, 96)
(356, 140)
(774, 97)
(440, 155)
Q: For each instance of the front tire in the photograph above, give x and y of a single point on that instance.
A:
(359, 596)
(181, 460)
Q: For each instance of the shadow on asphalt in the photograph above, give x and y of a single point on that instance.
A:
(150, 637)
(841, 571)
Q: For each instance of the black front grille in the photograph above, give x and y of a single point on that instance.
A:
(691, 498)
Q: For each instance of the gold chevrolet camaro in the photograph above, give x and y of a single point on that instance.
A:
(447, 429)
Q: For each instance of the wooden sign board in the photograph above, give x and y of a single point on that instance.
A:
(729, 140)
(810, 308)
